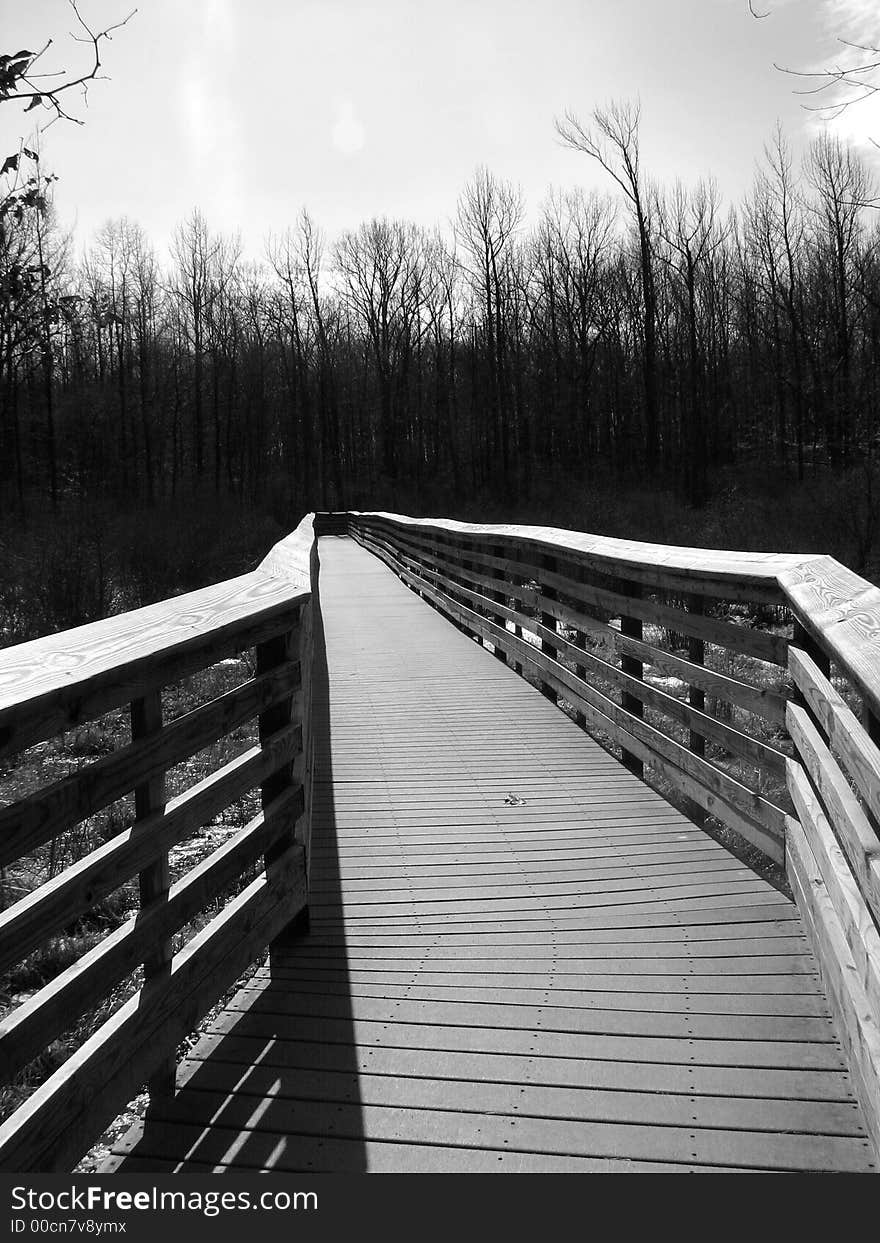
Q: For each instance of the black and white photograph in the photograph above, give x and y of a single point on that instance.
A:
(439, 606)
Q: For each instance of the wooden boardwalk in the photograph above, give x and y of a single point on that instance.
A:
(520, 957)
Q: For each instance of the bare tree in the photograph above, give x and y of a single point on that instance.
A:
(613, 141)
(489, 213)
(195, 250)
(689, 227)
(380, 266)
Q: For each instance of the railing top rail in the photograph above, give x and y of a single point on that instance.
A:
(621, 554)
(836, 606)
(54, 682)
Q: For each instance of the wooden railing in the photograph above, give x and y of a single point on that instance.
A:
(55, 684)
(713, 669)
(747, 685)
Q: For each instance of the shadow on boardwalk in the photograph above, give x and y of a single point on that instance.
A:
(275, 1078)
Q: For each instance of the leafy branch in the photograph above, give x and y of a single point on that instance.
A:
(19, 81)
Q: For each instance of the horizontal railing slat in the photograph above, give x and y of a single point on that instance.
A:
(34, 820)
(849, 905)
(852, 827)
(844, 731)
(858, 1030)
(761, 701)
(86, 983)
(755, 751)
(54, 905)
(759, 644)
(50, 685)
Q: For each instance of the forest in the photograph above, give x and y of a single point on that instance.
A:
(647, 361)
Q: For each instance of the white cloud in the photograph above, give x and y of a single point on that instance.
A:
(848, 22)
(348, 133)
(858, 16)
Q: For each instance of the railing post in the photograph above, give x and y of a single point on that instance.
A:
(697, 699)
(804, 640)
(468, 566)
(274, 652)
(154, 881)
(501, 598)
(517, 628)
(548, 620)
(631, 627)
(580, 640)
(453, 554)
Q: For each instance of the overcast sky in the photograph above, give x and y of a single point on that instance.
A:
(251, 109)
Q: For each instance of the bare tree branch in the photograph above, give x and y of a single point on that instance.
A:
(19, 82)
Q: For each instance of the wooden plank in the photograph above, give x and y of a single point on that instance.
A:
(845, 733)
(496, 875)
(75, 1103)
(508, 1097)
(852, 829)
(841, 611)
(551, 991)
(565, 917)
(858, 1028)
(32, 821)
(611, 959)
(223, 1118)
(297, 1153)
(724, 926)
(28, 923)
(849, 905)
(570, 880)
(398, 907)
(690, 916)
(760, 700)
(289, 1052)
(294, 558)
(667, 1050)
(734, 740)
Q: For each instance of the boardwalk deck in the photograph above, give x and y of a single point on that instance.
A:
(520, 957)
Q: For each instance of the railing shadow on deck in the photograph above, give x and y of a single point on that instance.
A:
(264, 1056)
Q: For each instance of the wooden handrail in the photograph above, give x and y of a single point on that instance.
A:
(539, 595)
(53, 684)
(839, 609)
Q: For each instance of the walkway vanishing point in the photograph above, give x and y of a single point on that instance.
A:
(517, 956)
